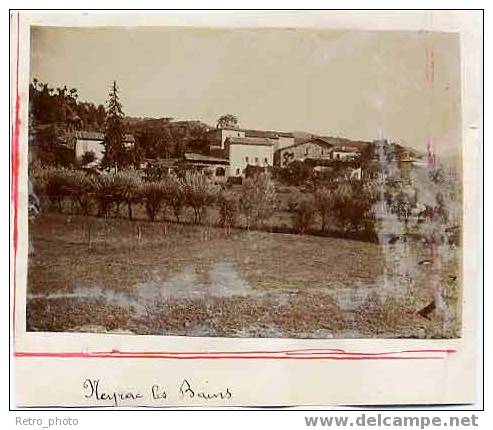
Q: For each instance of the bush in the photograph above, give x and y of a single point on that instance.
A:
(106, 193)
(128, 189)
(323, 200)
(234, 180)
(228, 205)
(87, 157)
(57, 187)
(155, 171)
(252, 171)
(175, 195)
(258, 199)
(353, 206)
(200, 193)
(292, 201)
(304, 214)
(154, 194)
(80, 189)
(297, 173)
(39, 176)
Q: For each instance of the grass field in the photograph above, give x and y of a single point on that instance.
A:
(98, 275)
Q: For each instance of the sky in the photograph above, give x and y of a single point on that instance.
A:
(353, 84)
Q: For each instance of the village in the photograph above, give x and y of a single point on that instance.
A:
(230, 152)
(209, 228)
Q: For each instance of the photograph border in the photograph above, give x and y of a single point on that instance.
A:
(289, 354)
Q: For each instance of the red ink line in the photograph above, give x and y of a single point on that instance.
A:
(218, 357)
(266, 355)
(305, 351)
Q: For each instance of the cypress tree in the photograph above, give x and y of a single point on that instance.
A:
(115, 154)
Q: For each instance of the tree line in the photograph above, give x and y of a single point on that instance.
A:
(343, 207)
(55, 113)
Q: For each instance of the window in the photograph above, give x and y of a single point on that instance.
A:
(266, 162)
(237, 172)
(246, 160)
(306, 151)
(220, 171)
(256, 161)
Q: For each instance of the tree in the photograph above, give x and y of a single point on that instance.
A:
(227, 121)
(298, 172)
(258, 199)
(228, 205)
(115, 154)
(304, 214)
(175, 195)
(200, 193)
(323, 202)
(154, 194)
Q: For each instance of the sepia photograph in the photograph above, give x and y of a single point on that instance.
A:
(245, 182)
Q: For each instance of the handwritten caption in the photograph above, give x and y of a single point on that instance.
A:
(185, 390)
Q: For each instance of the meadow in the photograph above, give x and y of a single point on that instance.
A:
(91, 274)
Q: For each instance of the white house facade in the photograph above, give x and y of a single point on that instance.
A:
(91, 141)
(248, 151)
(345, 153)
(218, 136)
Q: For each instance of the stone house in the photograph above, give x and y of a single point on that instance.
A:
(92, 141)
(245, 151)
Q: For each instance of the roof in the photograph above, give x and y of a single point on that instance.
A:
(96, 135)
(202, 158)
(164, 162)
(261, 133)
(306, 141)
(249, 141)
(342, 142)
(285, 134)
(214, 130)
(332, 142)
(191, 122)
(268, 134)
(346, 149)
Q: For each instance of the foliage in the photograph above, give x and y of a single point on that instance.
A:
(161, 138)
(56, 190)
(175, 195)
(227, 121)
(40, 175)
(292, 201)
(228, 204)
(106, 193)
(80, 189)
(59, 184)
(353, 206)
(296, 173)
(128, 187)
(304, 214)
(323, 204)
(257, 199)
(344, 207)
(87, 157)
(47, 143)
(154, 194)
(200, 192)
(251, 171)
(53, 114)
(115, 153)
